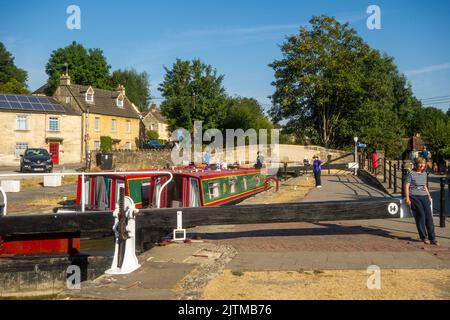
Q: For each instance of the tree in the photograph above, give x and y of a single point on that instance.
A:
(425, 118)
(86, 67)
(438, 138)
(193, 91)
(12, 78)
(245, 113)
(13, 86)
(331, 86)
(448, 113)
(136, 85)
(152, 135)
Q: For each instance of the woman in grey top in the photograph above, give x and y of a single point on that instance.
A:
(418, 198)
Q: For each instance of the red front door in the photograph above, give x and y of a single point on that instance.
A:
(54, 150)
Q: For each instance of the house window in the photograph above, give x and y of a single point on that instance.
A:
(113, 125)
(89, 98)
(22, 123)
(213, 190)
(90, 95)
(68, 100)
(97, 145)
(128, 145)
(128, 126)
(97, 124)
(119, 101)
(152, 127)
(20, 148)
(53, 124)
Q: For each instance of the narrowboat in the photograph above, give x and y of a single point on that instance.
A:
(189, 188)
(102, 192)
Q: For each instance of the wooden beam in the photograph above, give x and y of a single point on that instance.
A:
(96, 223)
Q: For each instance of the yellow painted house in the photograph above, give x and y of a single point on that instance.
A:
(104, 113)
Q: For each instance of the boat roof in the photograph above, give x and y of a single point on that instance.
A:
(206, 174)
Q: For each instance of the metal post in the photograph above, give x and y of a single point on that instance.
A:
(83, 192)
(390, 175)
(403, 180)
(442, 208)
(395, 178)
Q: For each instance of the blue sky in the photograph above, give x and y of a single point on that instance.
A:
(238, 37)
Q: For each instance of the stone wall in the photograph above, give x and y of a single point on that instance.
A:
(156, 159)
(139, 160)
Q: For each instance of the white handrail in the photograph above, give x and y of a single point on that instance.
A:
(83, 174)
(5, 199)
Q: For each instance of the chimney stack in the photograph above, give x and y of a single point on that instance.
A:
(64, 80)
(121, 89)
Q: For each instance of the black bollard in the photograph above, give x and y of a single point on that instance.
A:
(442, 208)
(384, 169)
(403, 180)
(395, 178)
(390, 175)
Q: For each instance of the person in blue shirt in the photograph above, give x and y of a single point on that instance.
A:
(207, 158)
(317, 169)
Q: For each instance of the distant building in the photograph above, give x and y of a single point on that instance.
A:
(38, 122)
(103, 113)
(154, 120)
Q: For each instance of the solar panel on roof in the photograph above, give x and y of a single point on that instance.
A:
(4, 105)
(22, 99)
(15, 105)
(30, 103)
(42, 99)
(58, 107)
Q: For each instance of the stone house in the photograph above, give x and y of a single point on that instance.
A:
(154, 120)
(38, 122)
(103, 113)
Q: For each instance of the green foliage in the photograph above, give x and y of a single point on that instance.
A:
(86, 67)
(136, 85)
(434, 125)
(12, 79)
(448, 113)
(13, 86)
(245, 113)
(331, 86)
(193, 91)
(152, 135)
(106, 144)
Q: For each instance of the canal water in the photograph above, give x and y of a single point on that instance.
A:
(98, 247)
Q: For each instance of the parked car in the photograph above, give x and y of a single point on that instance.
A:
(153, 145)
(36, 160)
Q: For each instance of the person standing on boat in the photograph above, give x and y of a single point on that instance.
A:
(418, 197)
(317, 169)
(259, 161)
(207, 158)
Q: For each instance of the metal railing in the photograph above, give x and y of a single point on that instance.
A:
(83, 179)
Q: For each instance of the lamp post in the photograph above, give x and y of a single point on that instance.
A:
(356, 155)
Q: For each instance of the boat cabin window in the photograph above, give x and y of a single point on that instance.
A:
(244, 181)
(213, 190)
(145, 189)
(232, 183)
(194, 197)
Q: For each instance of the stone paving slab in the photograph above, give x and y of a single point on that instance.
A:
(343, 188)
